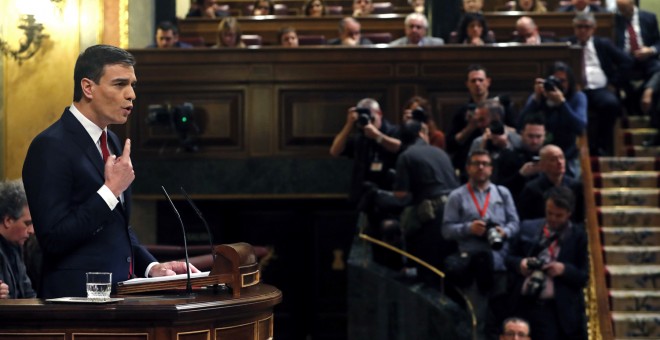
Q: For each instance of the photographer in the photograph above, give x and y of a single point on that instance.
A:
(424, 176)
(496, 136)
(549, 261)
(482, 217)
(565, 112)
(464, 127)
(371, 142)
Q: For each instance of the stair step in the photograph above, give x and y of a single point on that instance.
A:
(630, 236)
(642, 151)
(634, 122)
(629, 255)
(606, 164)
(627, 179)
(628, 196)
(612, 216)
(635, 301)
(636, 325)
(639, 136)
(637, 277)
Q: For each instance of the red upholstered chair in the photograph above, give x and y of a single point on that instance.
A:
(311, 39)
(378, 38)
(251, 39)
(335, 10)
(383, 8)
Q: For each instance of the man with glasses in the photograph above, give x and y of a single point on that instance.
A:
(350, 34)
(605, 69)
(482, 217)
(416, 26)
(15, 229)
(515, 328)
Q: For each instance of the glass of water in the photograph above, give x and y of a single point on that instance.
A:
(99, 285)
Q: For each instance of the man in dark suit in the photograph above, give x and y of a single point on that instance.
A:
(604, 73)
(77, 178)
(350, 34)
(528, 33)
(549, 261)
(637, 35)
(581, 6)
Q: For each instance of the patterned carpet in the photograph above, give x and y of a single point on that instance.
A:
(628, 208)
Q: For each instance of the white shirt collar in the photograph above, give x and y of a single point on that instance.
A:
(92, 129)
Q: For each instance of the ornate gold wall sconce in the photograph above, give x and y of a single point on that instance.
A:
(30, 43)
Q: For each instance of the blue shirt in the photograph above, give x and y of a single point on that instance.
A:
(460, 211)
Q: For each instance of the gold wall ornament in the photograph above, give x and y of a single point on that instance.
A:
(29, 44)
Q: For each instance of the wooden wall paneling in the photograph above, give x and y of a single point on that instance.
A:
(262, 122)
(278, 88)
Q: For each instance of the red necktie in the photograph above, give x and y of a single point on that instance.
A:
(104, 146)
(632, 37)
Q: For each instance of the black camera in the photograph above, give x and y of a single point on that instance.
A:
(496, 127)
(551, 83)
(536, 282)
(419, 115)
(471, 110)
(180, 118)
(493, 236)
(364, 117)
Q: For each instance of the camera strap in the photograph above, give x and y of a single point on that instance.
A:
(481, 210)
(552, 240)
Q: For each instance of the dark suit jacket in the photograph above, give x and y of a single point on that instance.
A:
(568, 287)
(571, 8)
(614, 62)
(531, 202)
(77, 231)
(648, 24)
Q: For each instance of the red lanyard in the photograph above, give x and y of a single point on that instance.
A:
(480, 210)
(551, 248)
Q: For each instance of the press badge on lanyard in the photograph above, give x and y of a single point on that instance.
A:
(376, 164)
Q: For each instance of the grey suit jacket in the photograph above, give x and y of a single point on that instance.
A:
(426, 41)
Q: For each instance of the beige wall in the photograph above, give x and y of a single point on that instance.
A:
(33, 94)
(36, 91)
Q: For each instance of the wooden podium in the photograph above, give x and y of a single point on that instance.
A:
(235, 265)
(157, 313)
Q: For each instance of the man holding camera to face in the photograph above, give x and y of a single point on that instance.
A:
(371, 141)
(549, 260)
(496, 136)
(482, 217)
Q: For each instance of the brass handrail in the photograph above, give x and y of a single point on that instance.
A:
(429, 267)
(596, 295)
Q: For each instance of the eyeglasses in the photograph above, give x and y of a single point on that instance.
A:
(478, 164)
(511, 334)
(583, 26)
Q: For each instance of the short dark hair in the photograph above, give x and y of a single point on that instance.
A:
(562, 197)
(477, 152)
(167, 26)
(410, 132)
(12, 199)
(476, 67)
(536, 118)
(91, 65)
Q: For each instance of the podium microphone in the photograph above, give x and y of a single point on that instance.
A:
(185, 242)
(201, 217)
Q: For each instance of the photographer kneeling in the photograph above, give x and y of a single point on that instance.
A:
(549, 259)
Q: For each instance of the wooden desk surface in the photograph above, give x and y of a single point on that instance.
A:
(142, 316)
(501, 23)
